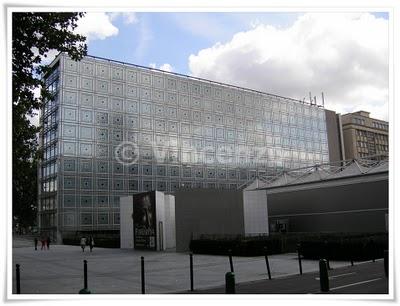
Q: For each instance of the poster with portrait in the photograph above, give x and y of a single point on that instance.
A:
(144, 221)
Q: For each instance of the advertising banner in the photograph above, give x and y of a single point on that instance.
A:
(144, 220)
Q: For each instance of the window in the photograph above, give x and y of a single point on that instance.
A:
(359, 121)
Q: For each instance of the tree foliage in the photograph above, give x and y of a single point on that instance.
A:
(34, 35)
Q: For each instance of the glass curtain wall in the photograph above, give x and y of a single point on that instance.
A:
(124, 129)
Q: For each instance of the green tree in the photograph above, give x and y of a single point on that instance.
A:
(33, 36)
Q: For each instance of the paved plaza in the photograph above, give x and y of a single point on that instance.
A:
(366, 278)
(117, 271)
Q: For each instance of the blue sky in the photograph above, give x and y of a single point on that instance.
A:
(171, 37)
(345, 55)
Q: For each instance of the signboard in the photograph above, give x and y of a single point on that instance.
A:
(144, 221)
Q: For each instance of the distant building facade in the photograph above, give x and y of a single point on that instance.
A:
(115, 129)
(364, 136)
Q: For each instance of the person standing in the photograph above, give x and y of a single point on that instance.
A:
(43, 242)
(83, 243)
(48, 242)
(36, 243)
(91, 243)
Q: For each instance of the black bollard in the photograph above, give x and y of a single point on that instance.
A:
(373, 250)
(267, 263)
(352, 251)
(85, 289)
(230, 283)
(85, 284)
(18, 279)
(327, 255)
(142, 270)
(230, 260)
(299, 258)
(323, 275)
(191, 271)
(386, 261)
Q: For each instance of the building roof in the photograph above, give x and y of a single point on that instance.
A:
(323, 172)
(231, 86)
(359, 113)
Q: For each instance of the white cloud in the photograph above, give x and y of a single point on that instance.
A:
(50, 56)
(96, 26)
(46, 58)
(165, 67)
(343, 55)
(145, 36)
(36, 92)
(34, 119)
(128, 17)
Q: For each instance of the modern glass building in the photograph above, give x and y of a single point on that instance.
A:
(114, 129)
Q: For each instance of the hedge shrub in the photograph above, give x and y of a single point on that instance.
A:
(338, 246)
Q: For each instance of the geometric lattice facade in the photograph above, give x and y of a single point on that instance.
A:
(114, 129)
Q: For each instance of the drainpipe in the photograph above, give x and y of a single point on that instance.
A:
(341, 140)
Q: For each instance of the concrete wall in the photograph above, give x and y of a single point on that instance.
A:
(165, 213)
(169, 201)
(207, 211)
(333, 133)
(255, 212)
(350, 145)
(126, 222)
(160, 223)
(359, 207)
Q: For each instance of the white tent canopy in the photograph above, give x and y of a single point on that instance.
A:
(347, 168)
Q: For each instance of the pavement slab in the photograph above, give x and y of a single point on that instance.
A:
(364, 278)
(117, 271)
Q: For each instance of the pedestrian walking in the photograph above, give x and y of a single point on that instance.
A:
(83, 243)
(36, 243)
(91, 243)
(43, 242)
(48, 242)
